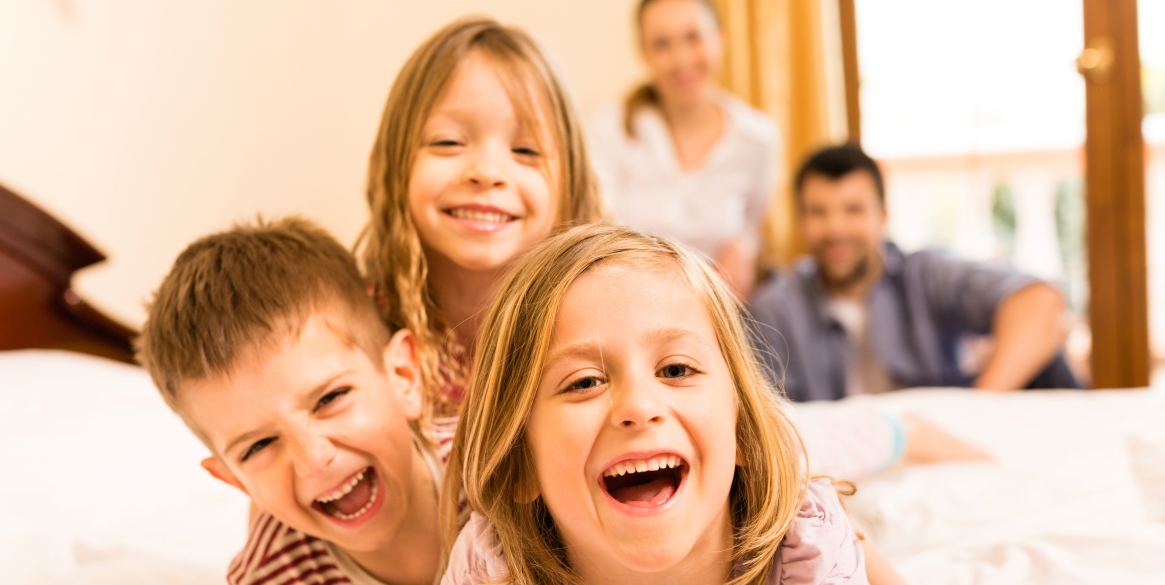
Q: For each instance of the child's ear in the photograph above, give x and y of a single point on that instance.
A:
(220, 472)
(404, 371)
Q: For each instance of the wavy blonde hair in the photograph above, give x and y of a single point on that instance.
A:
(492, 463)
(390, 246)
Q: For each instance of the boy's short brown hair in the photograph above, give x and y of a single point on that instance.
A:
(246, 287)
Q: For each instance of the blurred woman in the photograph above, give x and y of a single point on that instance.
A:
(681, 156)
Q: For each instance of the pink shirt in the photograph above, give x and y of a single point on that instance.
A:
(820, 548)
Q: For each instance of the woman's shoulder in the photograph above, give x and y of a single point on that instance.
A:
(476, 556)
(820, 547)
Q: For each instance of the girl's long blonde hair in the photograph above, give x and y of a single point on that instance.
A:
(491, 462)
(389, 246)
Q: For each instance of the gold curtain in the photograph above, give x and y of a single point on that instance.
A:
(784, 57)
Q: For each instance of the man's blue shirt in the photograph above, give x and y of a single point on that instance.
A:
(918, 312)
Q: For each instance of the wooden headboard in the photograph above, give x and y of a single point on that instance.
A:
(38, 307)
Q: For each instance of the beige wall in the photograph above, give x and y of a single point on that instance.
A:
(146, 124)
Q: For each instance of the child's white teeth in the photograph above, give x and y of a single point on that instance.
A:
(361, 511)
(342, 490)
(653, 464)
(484, 216)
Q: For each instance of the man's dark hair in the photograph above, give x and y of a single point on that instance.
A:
(835, 162)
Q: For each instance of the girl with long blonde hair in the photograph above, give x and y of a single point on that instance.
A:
(479, 156)
(619, 429)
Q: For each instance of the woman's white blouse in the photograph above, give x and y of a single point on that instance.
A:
(723, 198)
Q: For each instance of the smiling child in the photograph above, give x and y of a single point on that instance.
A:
(264, 340)
(618, 430)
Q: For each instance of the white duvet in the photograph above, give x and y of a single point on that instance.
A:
(1076, 495)
(101, 485)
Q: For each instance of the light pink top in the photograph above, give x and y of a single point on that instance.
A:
(820, 548)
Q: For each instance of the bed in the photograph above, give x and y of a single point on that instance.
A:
(102, 483)
(1076, 494)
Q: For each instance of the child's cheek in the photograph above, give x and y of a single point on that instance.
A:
(561, 437)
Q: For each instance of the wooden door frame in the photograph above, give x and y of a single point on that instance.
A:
(1115, 177)
(849, 54)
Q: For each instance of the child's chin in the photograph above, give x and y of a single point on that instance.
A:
(651, 557)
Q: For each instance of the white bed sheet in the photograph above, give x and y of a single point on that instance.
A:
(1075, 495)
(101, 483)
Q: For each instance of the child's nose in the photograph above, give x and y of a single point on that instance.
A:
(636, 404)
(311, 454)
(485, 169)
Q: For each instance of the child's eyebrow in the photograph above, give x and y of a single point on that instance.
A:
(579, 349)
(312, 397)
(670, 334)
(586, 349)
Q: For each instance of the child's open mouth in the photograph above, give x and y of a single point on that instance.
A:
(352, 500)
(645, 483)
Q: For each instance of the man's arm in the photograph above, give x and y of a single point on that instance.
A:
(1027, 332)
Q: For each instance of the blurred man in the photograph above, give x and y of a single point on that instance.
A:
(862, 317)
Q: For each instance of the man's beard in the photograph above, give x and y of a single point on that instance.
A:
(846, 281)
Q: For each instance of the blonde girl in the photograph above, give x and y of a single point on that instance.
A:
(479, 157)
(618, 429)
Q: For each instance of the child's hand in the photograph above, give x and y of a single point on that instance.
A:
(927, 443)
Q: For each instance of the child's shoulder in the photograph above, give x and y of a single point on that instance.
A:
(820, 546)
(476, 556)
(278, 553)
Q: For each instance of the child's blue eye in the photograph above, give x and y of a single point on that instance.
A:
(331, 397)
(676, 371)
(584, 384)
(526, 151)
(256, 447)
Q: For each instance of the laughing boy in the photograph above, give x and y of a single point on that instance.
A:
(264, 340)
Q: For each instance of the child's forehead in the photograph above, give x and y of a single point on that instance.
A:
(526, 88)
(278, 374)
(652, 296)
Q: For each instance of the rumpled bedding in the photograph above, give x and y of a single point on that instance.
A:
(101, 485)
(1076, 494)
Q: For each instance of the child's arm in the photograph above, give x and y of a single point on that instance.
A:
(854, 440)
(878, 569)
(929, 443)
